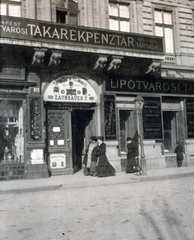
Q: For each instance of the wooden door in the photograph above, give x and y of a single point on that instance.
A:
(59, 141)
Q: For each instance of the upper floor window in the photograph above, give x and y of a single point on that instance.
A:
(119, 17)
(67, 12)
(10, 8)
(164, 28)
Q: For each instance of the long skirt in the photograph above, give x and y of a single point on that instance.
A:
(104, 168)
(132, 165)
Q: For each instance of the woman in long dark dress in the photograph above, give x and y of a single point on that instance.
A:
(132, 154)
(104, 168)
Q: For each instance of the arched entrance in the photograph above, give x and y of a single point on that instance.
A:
(70, 111)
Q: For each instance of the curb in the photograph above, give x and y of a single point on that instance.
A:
(132, 180)
(36, 189)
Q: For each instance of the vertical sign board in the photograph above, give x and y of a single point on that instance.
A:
(152, 118)
(110, 117)
(35, 119)
(190, 117)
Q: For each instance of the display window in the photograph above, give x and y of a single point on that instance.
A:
(11, 131)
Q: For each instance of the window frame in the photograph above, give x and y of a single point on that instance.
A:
(68, 11)
(118, 18)
(165, 26)
(12, 2)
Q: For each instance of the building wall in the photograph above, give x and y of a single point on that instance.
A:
(94, 14)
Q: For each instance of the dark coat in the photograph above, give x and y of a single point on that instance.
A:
(179, 150)
(132, 153)
(104, 168)
(132, 150)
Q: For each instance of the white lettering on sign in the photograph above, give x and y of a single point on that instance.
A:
(29, 29)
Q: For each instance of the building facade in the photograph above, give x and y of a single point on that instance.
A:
(71, 69)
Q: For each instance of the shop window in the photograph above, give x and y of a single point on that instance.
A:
(67, 12)
(11, 132)
(119, 17)
(170, 126)
(127, 127)
(164, 28)
(10, 8)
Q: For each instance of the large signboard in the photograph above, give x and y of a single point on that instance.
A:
(146, 85)
(46, 31)
(190, 117)
(110, 117)
(70, 89)
(152, 118)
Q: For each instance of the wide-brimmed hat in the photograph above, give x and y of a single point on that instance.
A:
(93, 138)
(128, 139)
(100, 137)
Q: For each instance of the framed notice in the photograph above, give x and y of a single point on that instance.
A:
(110, 117)
(57, 161)
(152, 118)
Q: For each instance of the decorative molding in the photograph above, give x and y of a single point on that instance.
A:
(115, 63)
(55, 58)
(101, 62)
(154, 67)
(38, 57)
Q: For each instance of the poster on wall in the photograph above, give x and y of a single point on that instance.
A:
(110, 117)
(190, 117)
(152, 118)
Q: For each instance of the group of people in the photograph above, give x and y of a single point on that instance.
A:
(95, 159)
(97, 164)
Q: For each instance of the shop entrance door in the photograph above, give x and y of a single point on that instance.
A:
(59, 148)
(68, 133)
(82, 130)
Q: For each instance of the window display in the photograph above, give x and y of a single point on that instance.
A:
(11, 132)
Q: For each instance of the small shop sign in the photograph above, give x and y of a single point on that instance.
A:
(57, 161)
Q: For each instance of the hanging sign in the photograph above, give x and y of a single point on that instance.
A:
(35, 119)
(70, 89)
(110, 117)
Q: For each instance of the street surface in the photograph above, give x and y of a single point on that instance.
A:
(162, 210)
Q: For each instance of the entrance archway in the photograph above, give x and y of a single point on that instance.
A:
(70, 102)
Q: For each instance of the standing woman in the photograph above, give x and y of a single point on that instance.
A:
(179, 150)
(104, 168)
(88, 155)
(132, 154)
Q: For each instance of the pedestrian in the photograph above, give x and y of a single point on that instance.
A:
(132, 157)
(104, 168)
(88, 155)
(179, 150)
(93, 164)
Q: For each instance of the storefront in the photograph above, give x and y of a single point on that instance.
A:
(166, 115)
(61, 85)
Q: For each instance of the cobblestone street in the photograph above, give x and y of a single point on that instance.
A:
(144, 210)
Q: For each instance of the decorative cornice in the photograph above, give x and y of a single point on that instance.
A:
(101, 62)
(154, 67)
(55, 58)
(115, 63)
(38, 57)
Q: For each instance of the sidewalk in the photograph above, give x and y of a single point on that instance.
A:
(78, 180)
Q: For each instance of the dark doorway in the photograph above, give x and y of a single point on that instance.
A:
(81, 120)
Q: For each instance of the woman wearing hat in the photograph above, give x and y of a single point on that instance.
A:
(132, 154)
(89, 156)
(104, 168)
